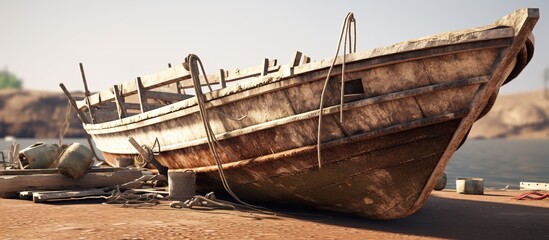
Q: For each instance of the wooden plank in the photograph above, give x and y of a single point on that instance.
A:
(119, 102)
(142, 95)
(54, 171)
(106, 114)
(306, 60)
(45, 196)
(359, 137)
(73, 104)
(222, 78)
(296, 58)
(86, 93)
(265, 69)
(311, 114)
(166, 96)
(57, 181)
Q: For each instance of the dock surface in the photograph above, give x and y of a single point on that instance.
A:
(446, 215)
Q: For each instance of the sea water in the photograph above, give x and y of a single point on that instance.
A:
(501, 163)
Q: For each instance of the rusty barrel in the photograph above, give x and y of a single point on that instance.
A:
(75, 161)
(39, 155)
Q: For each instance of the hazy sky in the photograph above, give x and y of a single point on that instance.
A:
(43, 41)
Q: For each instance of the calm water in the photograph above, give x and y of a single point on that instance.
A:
(500, 162)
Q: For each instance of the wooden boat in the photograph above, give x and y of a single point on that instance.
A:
(406, 109)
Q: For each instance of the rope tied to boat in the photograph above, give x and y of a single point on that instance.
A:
(191, 64)
(65, 127)
(349, 31)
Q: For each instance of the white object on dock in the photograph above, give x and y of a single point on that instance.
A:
(470, 186)
(534, 186)
(62, 195)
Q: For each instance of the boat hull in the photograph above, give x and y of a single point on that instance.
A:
(405, 113)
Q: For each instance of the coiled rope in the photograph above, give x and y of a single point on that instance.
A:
(345, 31)
(191, 64)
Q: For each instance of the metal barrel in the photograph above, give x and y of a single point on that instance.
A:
(75, 161)
(39, 155)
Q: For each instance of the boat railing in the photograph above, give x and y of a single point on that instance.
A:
(157, 90)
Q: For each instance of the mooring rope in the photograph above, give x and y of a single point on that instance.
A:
(65, 127)
(345, 31)
(191, 64)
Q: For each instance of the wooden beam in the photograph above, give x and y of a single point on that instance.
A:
(306, 60)
(222, 78)
(142, 95)
(57, 181)
(119, 99)
(265, 69)
(86, 93)
(45, 196)
(79, 113)
(296, 58)
(166, 96)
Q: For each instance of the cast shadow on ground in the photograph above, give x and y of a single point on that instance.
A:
(455, 219)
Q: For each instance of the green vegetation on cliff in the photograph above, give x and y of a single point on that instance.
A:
(9, 80)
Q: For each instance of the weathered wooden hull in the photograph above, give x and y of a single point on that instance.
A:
(407, 109)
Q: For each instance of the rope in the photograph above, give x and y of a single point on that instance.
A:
(131, 199)
(191, 64)
(346, 28)
(66, 124)
(93, 149)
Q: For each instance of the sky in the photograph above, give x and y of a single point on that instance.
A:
(42, 42)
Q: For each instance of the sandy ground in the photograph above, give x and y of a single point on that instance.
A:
(446, 215)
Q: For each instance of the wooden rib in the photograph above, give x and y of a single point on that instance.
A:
(79, 113)
(222, 78)
(296, 58)
(306, 60)
(174, 75)
(142, 95)
(119, 100)
(86, 93)
(180, 89)
(265, 69)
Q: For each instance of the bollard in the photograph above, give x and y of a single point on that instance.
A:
(181, 184)
(470, 186)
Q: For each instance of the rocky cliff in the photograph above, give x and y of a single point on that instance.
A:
(35, 114)
(524, 115)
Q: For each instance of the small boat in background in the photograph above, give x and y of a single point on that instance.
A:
(9, 138)
(389, 125)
